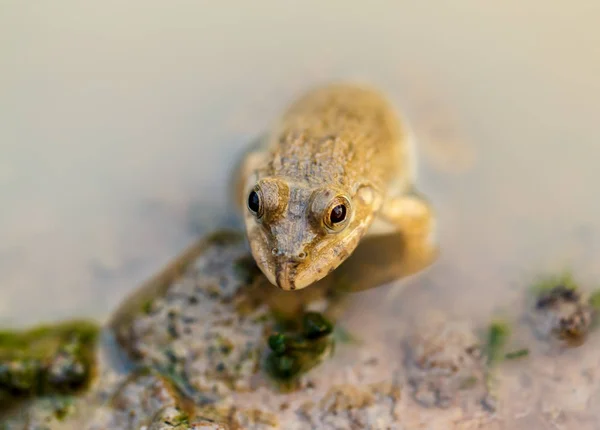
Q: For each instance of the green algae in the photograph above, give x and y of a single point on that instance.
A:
(594, 300)
(545, 284)
(315, 326)
(294, 354)
(519, 353)
(147, 307)
(497, 337)
(47, 360)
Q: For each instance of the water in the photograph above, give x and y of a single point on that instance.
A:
(119, 125)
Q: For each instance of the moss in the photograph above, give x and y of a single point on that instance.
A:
(182, 419)
(519, 353)
(293, 354)
(277, 343)
(147, 307)
(547, 283)
(594, 300)
(561, 305)
(35, 340)
(46, 360)
(315, 326)
(559, 294)
(498, 333)
(285, 366)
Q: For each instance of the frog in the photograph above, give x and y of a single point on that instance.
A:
(337, 166)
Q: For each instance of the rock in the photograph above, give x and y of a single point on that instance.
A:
(444, 360)
(351, 407)
(205, 332)
(199, 338)
(41, 413)
(144, 399)
(561, 312)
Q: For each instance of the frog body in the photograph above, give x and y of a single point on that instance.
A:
(336, 167)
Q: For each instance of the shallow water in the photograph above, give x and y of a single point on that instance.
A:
(119, 126)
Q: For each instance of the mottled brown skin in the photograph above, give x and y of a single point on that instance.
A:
(337, 144)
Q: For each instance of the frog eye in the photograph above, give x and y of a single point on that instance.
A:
(336, 215)
(255, 204)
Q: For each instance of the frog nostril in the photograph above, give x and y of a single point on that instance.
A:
(301, 255)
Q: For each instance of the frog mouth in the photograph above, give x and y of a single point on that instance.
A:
(285, 274)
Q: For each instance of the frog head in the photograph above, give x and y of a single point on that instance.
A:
(298, 233)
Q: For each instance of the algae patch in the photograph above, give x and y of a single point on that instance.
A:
(562, 311)
(293, 354)
(497, 337)
(53, 359)
(519, 353)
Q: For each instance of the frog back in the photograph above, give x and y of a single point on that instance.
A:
(341, 135)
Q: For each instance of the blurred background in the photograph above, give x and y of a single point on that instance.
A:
(120, 123)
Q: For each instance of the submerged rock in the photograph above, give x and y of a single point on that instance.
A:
(445, 363)
(141, 400)
(205, 332)
(210, 330)
(41, 413)
(347, 406)
(561, 311)
(205, 340)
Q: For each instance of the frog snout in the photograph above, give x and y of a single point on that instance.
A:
(285, 272)
(297, 256)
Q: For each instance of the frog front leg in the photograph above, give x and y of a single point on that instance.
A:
(407, 212)
(399, 243)
(411, 213)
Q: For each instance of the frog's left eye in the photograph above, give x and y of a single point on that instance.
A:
(255, 204)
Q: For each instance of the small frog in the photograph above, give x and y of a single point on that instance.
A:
(337, 166)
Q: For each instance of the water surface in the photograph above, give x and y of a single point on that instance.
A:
(119, 124)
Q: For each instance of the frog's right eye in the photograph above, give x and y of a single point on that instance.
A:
(336, 215)
(255, 204)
